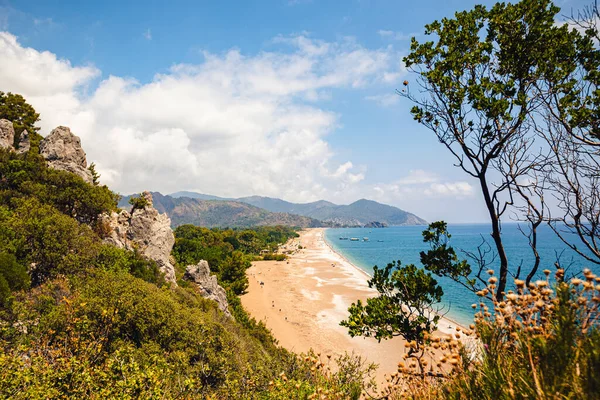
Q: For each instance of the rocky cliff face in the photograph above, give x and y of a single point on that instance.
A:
(7, 138)
(24, 143)
(207, 284)
(148, 231)
(62, 150)
(7, 134)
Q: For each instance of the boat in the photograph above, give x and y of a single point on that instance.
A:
(380, 241)
(354, 239)
(365, 239)
(343, 238)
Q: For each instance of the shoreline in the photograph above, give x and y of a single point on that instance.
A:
(303, 299)
(369, 276)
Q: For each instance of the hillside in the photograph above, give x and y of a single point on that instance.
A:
(359, 213)
(365, 211)
(221, 213)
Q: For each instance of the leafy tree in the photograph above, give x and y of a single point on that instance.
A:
(404, 307)
(480, 77)
(138, 203)
(111, 258)
(14, 108)
(232, 272)
(52, 242)
(13, 276)
(227, 251)
(95, 174)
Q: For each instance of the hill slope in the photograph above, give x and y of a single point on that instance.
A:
(221, 213)
(360, 212)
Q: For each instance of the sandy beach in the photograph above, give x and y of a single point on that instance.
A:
(302, 300)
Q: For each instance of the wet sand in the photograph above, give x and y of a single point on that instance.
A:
(302, 300)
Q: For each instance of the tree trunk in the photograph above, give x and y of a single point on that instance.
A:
(495, 220)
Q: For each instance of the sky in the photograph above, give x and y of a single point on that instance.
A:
(292, 99)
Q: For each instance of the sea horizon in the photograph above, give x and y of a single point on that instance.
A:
(404, 243)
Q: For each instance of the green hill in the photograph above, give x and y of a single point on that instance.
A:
(221, 213)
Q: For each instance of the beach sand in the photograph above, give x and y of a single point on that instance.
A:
(303, 302)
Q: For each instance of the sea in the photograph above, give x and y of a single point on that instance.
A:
(404, 243)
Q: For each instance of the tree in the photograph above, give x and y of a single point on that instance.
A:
(481, 100)
(405, 306)
(13, 276)
(14, 108)
(138, 203)
(232, 272)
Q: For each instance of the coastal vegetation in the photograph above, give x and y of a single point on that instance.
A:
(514, 96)
(82, 318)
(229, 251)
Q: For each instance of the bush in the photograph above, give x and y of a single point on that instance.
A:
(110, 334)
(13, 276)
(138, 203)
(274, 257)
(540, 342)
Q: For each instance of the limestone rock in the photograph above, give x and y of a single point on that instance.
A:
(62, 150)
(7, 134)
(148, 231)
(24, 143)
(207, 283)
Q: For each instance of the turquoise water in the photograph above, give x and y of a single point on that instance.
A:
(405, 242)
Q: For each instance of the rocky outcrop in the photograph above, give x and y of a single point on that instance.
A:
(62, 150)
(146, 230)
(207, 284)
(24, 143)
(7, 134)
(376, 224)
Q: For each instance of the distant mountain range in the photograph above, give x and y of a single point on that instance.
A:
(207, 210)
(221, 213)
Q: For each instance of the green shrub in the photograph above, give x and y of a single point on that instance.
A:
(274, 257)
(138, 203)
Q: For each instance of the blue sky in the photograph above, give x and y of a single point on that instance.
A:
(288, 98)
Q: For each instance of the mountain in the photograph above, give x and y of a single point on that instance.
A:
(221, 213)
(194, 195)
(360, 212)
(278, 205)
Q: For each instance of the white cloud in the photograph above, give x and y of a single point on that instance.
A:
(419, 184)
(232, 125)
(392, 35)
(454, 189)
(148, 34)
(418, 176)
(384, 100)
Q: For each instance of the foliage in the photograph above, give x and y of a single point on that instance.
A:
(26, 176)
(112, 258)
(489, 77)
(110, 334)
(274, 257)
(352, 378)
(14, 108)
(51, 242)
(83, 319)
(13, 277)
(95, 174)
(404, 307)
(228, 251)
(540, 342)
(442, 259)
(138, 203)
(233, 272)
